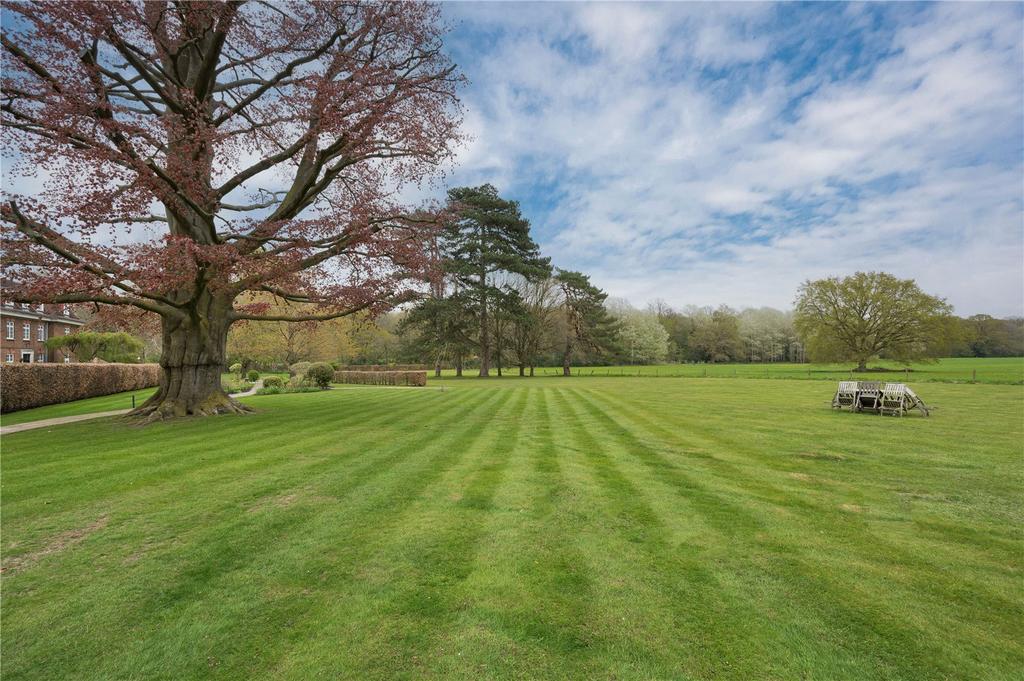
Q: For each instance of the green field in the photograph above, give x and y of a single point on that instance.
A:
(996, 370)
(545, 528)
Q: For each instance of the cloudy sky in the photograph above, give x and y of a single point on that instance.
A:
(724, 153)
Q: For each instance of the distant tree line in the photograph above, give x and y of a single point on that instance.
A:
(496, 304)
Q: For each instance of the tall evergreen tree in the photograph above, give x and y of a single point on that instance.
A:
(587, 323)
(487, 239)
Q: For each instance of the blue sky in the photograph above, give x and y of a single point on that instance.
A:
(723, 153)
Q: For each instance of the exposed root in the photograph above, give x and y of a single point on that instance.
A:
(160, 409)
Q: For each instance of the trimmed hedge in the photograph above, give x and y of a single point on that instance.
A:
(23, 386)
(381, 377)
(384, 367)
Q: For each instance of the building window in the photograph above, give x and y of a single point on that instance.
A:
(67, 360)
(67, 330)
(9, 357)
(26, 331)
(41, 332)
(10, 330)
(40, 307)
(40, 356)
(65, 310)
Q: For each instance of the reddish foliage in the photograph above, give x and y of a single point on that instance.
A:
(411, 378)
(35, 385)
(208, 148)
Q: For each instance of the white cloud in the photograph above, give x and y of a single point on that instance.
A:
(735, 185)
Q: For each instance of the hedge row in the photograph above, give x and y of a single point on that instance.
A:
(381, 377)
(384, 367)
(23, 386)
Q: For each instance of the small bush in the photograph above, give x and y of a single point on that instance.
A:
(233, 389)
(235, 368)
(253, 375)
(273, 382)
(320, 374)
(299, 368)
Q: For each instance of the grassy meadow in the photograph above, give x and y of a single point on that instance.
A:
(996, 370)
(549, 528)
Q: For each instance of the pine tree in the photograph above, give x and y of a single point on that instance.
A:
(487, 239)
(588, 324)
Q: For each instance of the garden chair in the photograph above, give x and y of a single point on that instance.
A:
(869, 395)
(846, 395)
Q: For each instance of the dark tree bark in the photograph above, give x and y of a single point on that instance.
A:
(566, 356)
(192, 359)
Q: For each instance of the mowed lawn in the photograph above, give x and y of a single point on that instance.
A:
(996, 370)
(606, 528)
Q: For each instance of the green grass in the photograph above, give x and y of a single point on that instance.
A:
(88, 406)
(113, 402)
(550, 528)
(996, 370)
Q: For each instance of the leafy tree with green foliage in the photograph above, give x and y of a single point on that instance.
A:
(986, 336)
(540, 302)
(486, 239)
(642, 338)
(716, 335)
(587, 323)
(110, 347)
(869, 315)
(439, 328)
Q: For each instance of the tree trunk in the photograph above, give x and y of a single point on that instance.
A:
(531, 370)
(437, 366)
(458, 365)
(522, 370)
(565, 357)
(862, 365)
(485, 343)
(191, 364)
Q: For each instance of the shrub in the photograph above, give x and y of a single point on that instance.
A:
(281, 391)
(253, 375)
(320, 374)
(417, 378)
(273, 382)
(235, 368)
(299, 368)
(297, 381)
(383, 367)
(35, 385)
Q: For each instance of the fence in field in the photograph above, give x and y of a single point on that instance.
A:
(1011, 374)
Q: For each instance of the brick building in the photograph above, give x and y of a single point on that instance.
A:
(24, 328)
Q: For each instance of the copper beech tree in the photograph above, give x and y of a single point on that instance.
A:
(193, 152)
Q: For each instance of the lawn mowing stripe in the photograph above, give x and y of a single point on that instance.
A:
(209, 541)
(192, 470)
(442, 554)
(527, 597)
(898, 641)
(700, 611)
(829, 521)
(725, 516)
(314, 518)
(370, 577)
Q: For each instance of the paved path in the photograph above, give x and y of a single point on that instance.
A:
(45, 423)
(61, 420)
